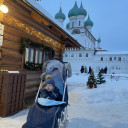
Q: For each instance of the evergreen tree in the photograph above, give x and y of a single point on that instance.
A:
(91, 83)
(100, 78)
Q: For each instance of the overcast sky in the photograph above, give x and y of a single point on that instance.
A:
(110, 18)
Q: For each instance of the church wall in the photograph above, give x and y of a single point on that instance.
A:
(72, 20)
(78, 58)
(81, 19)
(94, 61)
(114, 66)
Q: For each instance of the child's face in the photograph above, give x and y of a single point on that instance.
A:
(49, 87)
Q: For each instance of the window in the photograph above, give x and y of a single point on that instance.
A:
(66, 55)
(33, 59)
(80, 55)
(86, 54)
(72, 24)
(114, 58)
(29, 53)
(38, 57)
(101, 58)
(33, 55)
(76, 31)
(79, 23)
(119, 59)
(72, 55)
(47, 56)
(110, 58)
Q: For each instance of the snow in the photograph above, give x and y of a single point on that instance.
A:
(103, 107)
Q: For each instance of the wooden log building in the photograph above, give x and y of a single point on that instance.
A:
(28, 38)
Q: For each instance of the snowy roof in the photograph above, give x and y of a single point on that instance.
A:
(112, 52)
(43, 11)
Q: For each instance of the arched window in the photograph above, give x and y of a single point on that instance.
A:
(110, 58)
(101, 58)
(86, 54)
(79, 23)
(80, 55)
(72, 24)
(119, 59)
(72, 55)
(76, 31)
(66, 55)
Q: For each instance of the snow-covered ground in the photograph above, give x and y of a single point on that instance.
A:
(102, 107)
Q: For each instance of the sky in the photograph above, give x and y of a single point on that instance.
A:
(110, 18)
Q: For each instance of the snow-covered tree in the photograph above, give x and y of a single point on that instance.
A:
(91, 83)
(100, 78)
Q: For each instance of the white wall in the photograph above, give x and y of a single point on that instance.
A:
(95, 62)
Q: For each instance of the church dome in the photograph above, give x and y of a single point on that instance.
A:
(88, 22)
(60, 15)
(67, 26)
(82, 11)
(99, 40)
(74, 11)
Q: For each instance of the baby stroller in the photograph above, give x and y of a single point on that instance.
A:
(47, 113)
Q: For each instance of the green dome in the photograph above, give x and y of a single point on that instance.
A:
(88, 22)
(60, 15)
(74, 11)
(99, 40)
(82, 11)
(67, 26)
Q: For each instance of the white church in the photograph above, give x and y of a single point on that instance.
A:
(91, 54)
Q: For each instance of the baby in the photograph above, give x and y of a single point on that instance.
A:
(50, 91)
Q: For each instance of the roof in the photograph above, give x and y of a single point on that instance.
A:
(112, 53)
(82, 11)
(60, 15)
(40, 9)
(74, 11)
(88, 22)
(99, 40)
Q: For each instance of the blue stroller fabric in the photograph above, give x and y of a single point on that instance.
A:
(43, 117)
(45, 112)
